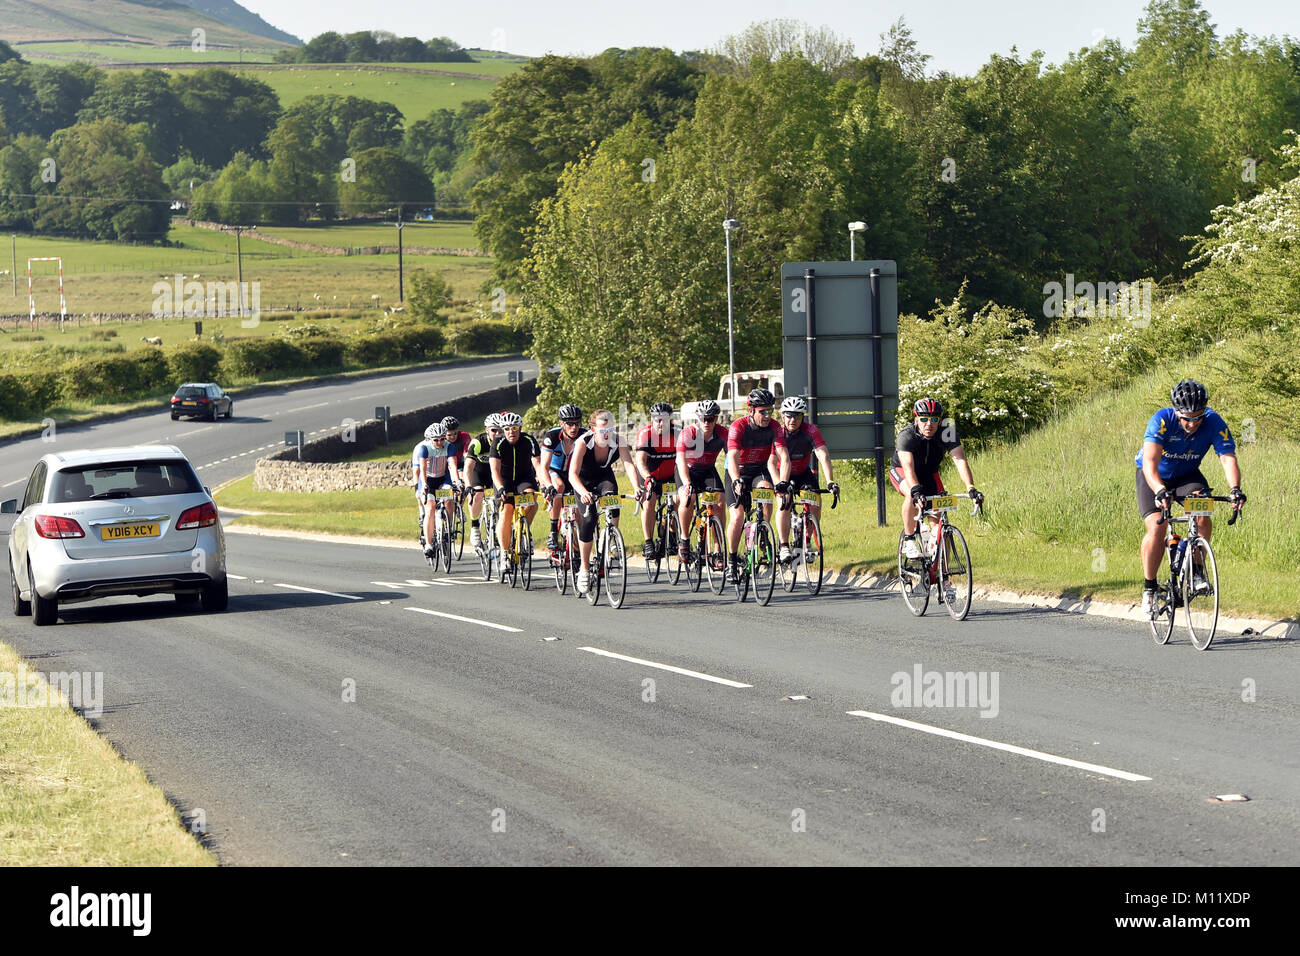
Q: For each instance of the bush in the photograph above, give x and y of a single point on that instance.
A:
(101, 335)
(27, 337)
(486, 337)
(322, 353)
(255, 358)
(193, 362)
(410, 343)
(116, 377)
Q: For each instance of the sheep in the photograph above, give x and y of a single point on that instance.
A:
(151, 339)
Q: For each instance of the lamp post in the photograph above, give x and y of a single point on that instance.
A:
(727, 226)
(855, 227)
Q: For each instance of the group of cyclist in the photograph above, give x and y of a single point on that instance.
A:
(761, 451)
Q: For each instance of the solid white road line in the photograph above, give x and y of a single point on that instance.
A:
(998, 745)
(237, 577)
(303, 408)
(467, 620)
(299, 587)
(665, 667)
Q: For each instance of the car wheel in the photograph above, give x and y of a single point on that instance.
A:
(212, 414)
(215, 597)
(44, 611)
(186, 598)
(230, 411)
(21, 608)
(175, 417)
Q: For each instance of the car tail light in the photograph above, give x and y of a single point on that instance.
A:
(53, 526)
(175, 399)
(201, 516)
(205, 401)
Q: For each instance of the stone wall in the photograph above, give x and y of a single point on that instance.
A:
(323, 466)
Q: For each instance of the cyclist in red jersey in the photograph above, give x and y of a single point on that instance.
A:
(656, 460)
(802, 441)
(698, 448)
(754, 445)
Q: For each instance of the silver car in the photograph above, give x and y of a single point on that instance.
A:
(109, 521)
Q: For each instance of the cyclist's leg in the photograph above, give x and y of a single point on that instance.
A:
(1152, 550)
(908, 512)
(648, 511)
(737, 505)
(430, 509)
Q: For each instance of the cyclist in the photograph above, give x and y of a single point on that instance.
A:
(478, 473)
(656, 459)
(557, 449)
(591, 474)
(914, 471)
(515, 461)
(754, 446)
(457, 441)
(1169, 466)
(434, 468)
(698, 448)
(802, 441)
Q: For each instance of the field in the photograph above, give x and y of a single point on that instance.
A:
(125, 54)
(450, 234)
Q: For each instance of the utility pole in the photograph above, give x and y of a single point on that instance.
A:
(400, 297)
(239, 255)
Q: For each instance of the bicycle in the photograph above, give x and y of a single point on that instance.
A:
(945, 560)
(565, 562)
(667, 534)
(710, 558)
(806, 548)
(458, 524)
(517, 562)
(1200, 597)
(441, 543)
(760, 550)
(488, 548)
(609, 556)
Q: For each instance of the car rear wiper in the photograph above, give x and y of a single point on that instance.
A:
(117, 493)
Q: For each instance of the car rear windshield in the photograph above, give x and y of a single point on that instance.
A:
(191, 391)
(128, 479)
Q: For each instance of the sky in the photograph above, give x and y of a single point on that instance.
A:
(959, 35)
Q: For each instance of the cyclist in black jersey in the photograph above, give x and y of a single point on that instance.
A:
(914, 471)
(557, 449)
(516, 460)
(478, 474)
(591, 474)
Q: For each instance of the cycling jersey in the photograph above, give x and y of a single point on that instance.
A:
(480, 449)
(701, 452)
(801, 445)
(1182, 453)
(753, 445)
(660, 449)
(927, 453)
(458, 445)
(517, 459)
(554, 457)
(596, 468)
(437, 458)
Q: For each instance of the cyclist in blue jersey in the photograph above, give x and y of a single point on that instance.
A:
(557, 449)
(1168, 466)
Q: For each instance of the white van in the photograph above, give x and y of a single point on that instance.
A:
(772, 379)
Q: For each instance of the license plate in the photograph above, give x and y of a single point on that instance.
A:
(117, 532)
(442, 492)
(610, 501)
(808, 496)
(189, 403)
(669, 488)
(762, 494)
(709, 497)
(943, 503)
(1198, 506)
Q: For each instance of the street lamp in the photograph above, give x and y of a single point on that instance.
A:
(727, 226)
(855, 227)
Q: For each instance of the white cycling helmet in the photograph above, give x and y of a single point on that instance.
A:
(491, 422)
(510, 420)
(795, 405)
(436, 430)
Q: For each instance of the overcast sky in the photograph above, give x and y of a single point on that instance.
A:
(958, 34)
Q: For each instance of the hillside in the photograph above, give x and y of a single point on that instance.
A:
(160, 23)
(232, 14)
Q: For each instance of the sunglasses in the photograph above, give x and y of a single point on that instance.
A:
(792, 414)
(928, 419)
(603, 431)
(1191, 418)
(440, 441)
(762, 411)
(495, 431)
(572, 421)
(709, 418)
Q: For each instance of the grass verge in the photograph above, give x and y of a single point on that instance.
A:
(67, 798)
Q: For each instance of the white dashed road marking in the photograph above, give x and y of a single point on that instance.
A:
(665, 667)
(299, 587)
(467, 620)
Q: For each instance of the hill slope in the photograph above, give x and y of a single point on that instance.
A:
(154, 22)
(232, 14)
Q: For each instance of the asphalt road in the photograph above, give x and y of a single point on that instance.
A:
(337, 714)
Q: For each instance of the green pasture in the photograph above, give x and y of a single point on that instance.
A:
(115, 54)
(444, 234)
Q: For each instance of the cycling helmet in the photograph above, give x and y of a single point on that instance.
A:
(795, 405)
(451, 423)
(707, 408)
(1189, 396)
(927, 406)
(436, 430)
(510, 420)
(570, 412)
(761, 398)
(661, 408)
(491, 422)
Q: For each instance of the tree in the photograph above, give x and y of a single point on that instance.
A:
(225, 113)
(145, 97)
(384, 180)
(769, 40)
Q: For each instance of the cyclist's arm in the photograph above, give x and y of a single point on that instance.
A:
(1231, 470)
(733, 469)
(907, 461)
(825, 475)
(683, 470)
(963, 466)
(497, 480)
(629, 466)
(1152, 451)
(642, 466)
(575, 466)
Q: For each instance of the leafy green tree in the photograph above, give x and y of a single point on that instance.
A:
(384, 179)
(430, 295)
(225, 113)
(20, 180)
(145, 97)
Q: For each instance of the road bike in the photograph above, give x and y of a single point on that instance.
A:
(608, 555)
(759, 564)
(566, 561)
(806, 548)
(441, 543)
(489, 550)
(458, 524)
(1197, 593)
(517, 561)
(707, 545)
(945, 560)
(667, 534)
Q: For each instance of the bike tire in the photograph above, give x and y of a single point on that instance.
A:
(652, 565)
(672, 542)
(458, 531)
(912, 572)
(790, 569)
(560, 566)
(615, 569)
(526, 556)
(1162, 625)
(444, 547)
(954, 565)
(1202, 609)
(813, 555)
(715, 551)
(597, 569)
(764, 563)
(694, 568)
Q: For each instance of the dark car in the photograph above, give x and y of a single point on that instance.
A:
(201, 400)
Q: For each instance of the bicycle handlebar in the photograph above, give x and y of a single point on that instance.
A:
(1165, 516)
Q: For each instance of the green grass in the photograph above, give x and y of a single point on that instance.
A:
(443, 234)
(67, 798)
(112, 54)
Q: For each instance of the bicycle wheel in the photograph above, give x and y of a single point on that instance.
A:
(458, 530)
(812, 556)
(526, 554)
(694, 568)
(714, 552)
(1201, 600)
(1162, 625)
(615, 569)
(485, 560)
(597, 569)
(560, 563)
(913, 581)
(955, 570)
(790, 569)
(652, 564)
(764, 563)
(672, 542)
(444, 547)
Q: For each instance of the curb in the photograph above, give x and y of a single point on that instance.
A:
(1247, 626)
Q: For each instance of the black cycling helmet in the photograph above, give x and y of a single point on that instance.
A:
(927, 406)
(1189, 396)
(569, 413)
(761, 398)
(661, 408)
(707, 408)
(452, 424)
